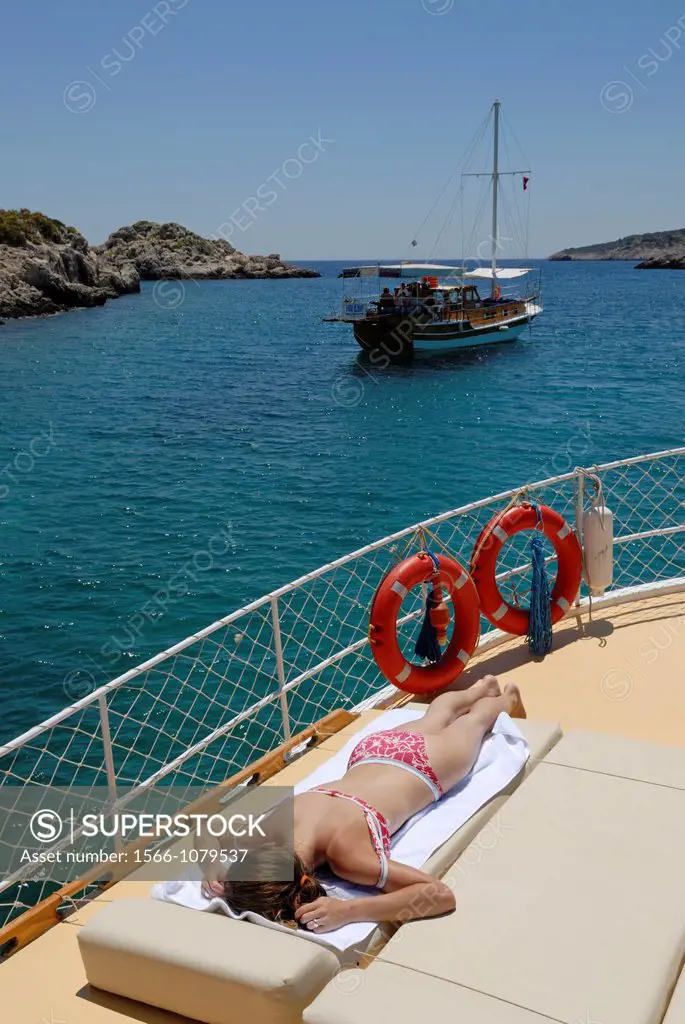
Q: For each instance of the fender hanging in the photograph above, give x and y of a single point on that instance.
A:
(501, 613)
(385, 609)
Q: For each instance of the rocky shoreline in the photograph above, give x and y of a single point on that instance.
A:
(162, 252)
(656, 250)
(666, 262)
(47, 267)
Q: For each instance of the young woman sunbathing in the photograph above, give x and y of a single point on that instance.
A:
(391, 776)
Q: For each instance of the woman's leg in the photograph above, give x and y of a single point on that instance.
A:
(453, 751)
(446, 708)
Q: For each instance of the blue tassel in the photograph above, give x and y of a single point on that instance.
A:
(540, 622)
(427, 645)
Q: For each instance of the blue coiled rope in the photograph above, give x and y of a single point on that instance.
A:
(427, 645)
(540, 616)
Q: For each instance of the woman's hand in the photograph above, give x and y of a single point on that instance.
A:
(324, 915)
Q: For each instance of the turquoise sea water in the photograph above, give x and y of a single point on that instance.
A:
(225, 438)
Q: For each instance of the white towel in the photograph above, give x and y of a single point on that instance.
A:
(502, 756)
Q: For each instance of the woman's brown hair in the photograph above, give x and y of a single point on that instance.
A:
(274, 900)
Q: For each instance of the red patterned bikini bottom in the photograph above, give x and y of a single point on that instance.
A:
(404, 749)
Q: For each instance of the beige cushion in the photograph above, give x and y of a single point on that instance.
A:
(676, 1008)
(485, 825)
(203, 966)
(578, 912)
(541, 737)
(615, 755)
(394, 994)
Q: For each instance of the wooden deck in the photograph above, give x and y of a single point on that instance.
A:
(620, 672)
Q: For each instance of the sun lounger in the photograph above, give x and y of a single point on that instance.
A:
(221, 971)
(576, 914)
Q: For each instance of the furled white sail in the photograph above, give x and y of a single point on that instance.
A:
(501, 273)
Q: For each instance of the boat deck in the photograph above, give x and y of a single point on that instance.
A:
(619, 671)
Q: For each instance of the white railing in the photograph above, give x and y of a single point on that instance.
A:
(208, 706)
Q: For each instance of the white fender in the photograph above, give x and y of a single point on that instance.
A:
(598, 548)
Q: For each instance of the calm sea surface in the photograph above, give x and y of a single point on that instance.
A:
(228, 438)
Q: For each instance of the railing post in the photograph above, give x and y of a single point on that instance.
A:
(280, 668)
(109, 757)
(107, 744)
(580, 499)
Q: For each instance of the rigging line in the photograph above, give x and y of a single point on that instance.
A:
(448, 220)
(447, 224)
(519, 225)
(506, 134)
(461, 226)
(512, 227)
(485, 124)
(515, 139)
(480, 208)
(517, 212)
(461, 161)
(464, 162)
(526, 217)
(488, 159)
(514, 218)
(487, 190)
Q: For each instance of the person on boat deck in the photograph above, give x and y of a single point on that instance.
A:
(429, 303)
(386, 303)
(391, 776)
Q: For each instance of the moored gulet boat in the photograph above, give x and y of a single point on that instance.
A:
(570, 894)
(444, 318)
(442, 310)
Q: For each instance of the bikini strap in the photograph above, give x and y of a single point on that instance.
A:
(375, 831)
(385, 865)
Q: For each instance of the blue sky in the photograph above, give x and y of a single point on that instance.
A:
(181, 109)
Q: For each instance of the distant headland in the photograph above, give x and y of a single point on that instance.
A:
(47, 267)
(656, 250)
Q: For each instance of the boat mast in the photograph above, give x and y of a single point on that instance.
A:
(495, 190)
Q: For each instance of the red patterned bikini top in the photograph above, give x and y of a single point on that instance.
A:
(379, 832)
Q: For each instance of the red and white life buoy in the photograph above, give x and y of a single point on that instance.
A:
(420, 568)
(501, 613)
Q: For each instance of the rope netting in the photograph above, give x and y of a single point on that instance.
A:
(205, 709)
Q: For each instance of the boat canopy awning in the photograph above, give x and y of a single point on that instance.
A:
(501, 274)
(416, 270)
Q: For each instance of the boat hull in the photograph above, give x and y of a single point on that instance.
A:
(393, 337)
(430, 342)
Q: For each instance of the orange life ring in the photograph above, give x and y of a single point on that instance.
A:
(385, 610)
(484, 563)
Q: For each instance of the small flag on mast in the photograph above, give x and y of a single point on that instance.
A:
(525, 183)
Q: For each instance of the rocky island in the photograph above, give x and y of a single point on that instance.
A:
(170, 252)
(658, 249)
(47, 267)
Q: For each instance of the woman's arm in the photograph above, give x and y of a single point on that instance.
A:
(408, 895)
